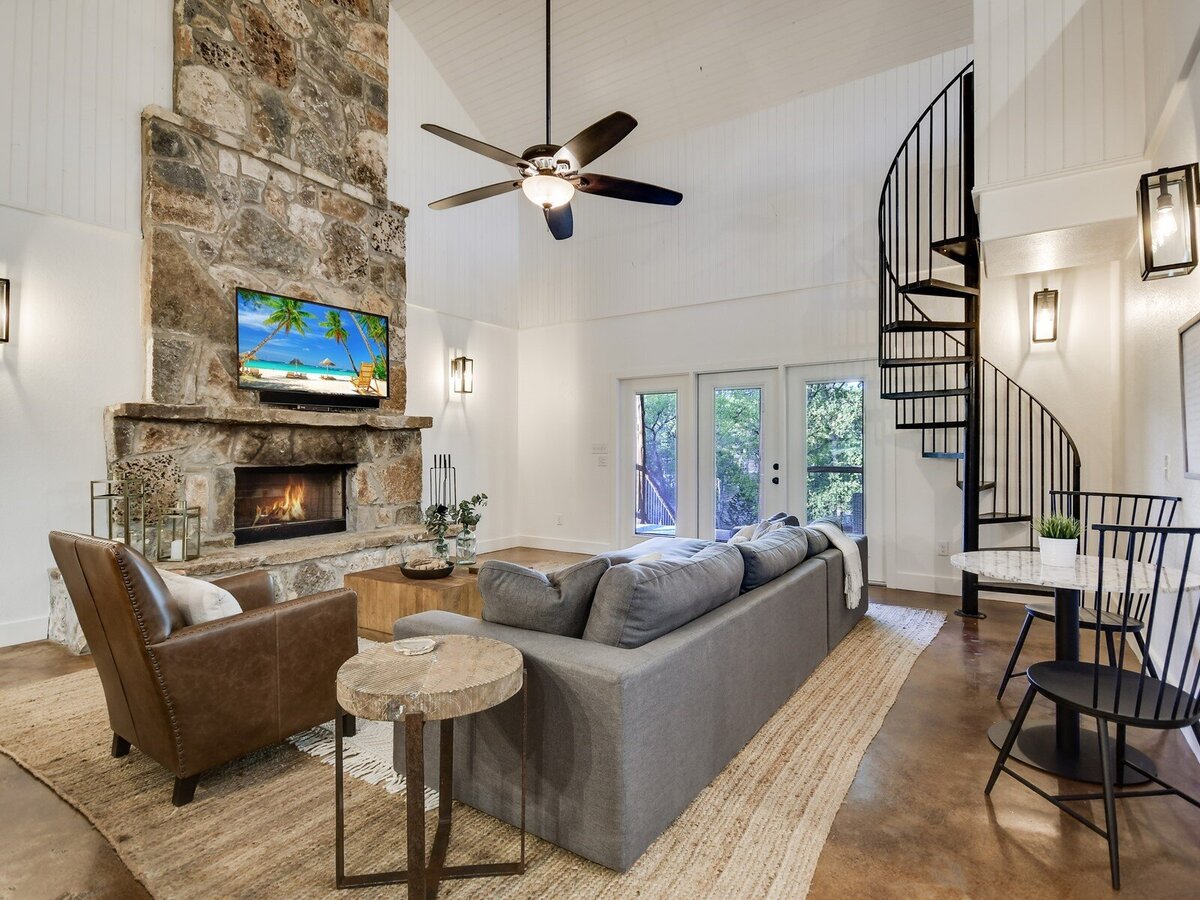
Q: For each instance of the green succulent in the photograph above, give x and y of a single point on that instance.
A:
(1057, 527)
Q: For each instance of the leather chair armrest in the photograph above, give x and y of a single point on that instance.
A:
(252, 590)
(251, 680)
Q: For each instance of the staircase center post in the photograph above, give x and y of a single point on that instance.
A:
(973, 436)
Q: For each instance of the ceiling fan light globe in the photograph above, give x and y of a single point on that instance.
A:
(548, 191)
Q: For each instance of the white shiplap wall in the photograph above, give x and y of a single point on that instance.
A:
(783, 199)
(460, 261)
(1059, 86)
(74, 77)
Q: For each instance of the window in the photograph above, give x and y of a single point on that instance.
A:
(737, 457)
(834, 452)
(656, 482)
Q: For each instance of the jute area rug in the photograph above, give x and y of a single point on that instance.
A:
(263, 826)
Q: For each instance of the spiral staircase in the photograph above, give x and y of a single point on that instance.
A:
(967, 410)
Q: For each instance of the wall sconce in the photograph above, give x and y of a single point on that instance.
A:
(1044, 317)
(1167, 210)
(4, 311)
(462, 375)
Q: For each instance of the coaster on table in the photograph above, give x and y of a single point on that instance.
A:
(414, 646)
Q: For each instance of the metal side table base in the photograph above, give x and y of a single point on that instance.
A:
(422, 876)
(1037, 746)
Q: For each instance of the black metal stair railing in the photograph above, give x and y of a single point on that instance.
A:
(928, 249)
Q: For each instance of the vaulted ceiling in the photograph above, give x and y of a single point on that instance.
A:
(674, 64)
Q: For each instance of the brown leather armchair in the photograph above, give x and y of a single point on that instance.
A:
(198, 696)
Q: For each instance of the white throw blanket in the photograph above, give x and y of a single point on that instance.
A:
(851, 561)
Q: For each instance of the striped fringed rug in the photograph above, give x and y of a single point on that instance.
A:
(263, 826)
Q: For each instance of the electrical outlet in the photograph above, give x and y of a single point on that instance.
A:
(943, 548)
(558, 520)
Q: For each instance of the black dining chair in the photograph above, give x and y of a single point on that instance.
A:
(1096, 508)
(1128, 696)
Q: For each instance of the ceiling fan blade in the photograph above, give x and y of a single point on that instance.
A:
(491, 190)
(510, 159)
(561, 222)
(624, 189)
(598, 138)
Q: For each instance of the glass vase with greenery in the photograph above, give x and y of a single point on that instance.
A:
(468, 516)
(438, 519)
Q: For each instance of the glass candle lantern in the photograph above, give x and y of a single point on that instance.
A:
(179, 534)
(117, 510)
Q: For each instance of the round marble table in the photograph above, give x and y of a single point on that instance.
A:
(463, 674)
(1064, 748)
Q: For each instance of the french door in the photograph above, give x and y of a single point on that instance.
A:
(740, 464)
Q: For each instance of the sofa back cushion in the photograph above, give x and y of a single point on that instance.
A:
(818, 542)
(669, 547)
(768, 557)
(552, 604)
(638, 602)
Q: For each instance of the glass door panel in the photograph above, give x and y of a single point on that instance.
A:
(740, 471)
(834, 452)
(656, 457)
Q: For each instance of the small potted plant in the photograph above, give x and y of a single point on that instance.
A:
(468, 515)
(1058, 540)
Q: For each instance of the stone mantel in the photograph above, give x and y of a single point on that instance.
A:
(266, 415)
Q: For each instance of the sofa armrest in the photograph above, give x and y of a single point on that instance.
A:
(250, 680)
(252, 590)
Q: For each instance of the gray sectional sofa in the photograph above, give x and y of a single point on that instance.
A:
(622, 740)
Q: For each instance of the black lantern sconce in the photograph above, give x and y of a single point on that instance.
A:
(1167, 210)
(1043, 326)
(5, 315)
(462, 375)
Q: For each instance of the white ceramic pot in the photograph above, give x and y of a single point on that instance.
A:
(1058, 552)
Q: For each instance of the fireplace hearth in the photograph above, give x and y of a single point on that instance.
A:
(276, 502)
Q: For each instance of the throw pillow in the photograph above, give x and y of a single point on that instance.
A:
(768, 557)
(199, 601)
(637, 603)
(552, 604)
(743, 534)
(773, 524)
(818, 542)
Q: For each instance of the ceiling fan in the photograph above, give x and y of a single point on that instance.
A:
(550, 174)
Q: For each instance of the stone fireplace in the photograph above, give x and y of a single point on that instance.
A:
(270, 174)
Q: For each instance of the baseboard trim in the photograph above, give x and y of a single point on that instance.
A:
(491, 545)
(22, 631)
(566, 546)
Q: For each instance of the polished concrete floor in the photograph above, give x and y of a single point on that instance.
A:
(914, 824)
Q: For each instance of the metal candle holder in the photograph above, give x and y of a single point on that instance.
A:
(182, 525)
(443, 482)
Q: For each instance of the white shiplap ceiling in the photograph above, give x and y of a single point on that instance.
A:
(673, 64)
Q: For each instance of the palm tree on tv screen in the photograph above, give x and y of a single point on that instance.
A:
(287, 315)
(335, 330)
(373, 326)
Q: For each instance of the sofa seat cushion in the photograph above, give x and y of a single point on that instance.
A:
(552, 604)
(638, 602)
(768, 557)
(669, 547)
(199, 601)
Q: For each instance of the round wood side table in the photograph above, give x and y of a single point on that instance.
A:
(462, 675)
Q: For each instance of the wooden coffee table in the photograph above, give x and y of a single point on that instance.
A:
(385, 595)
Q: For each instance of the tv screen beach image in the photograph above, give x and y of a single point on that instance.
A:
(298, 345)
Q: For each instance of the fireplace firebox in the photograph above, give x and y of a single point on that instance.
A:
(276, 502)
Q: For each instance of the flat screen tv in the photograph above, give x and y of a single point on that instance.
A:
(310, 353)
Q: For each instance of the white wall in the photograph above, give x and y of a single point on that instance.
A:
(74, 79)
(780, 200)
(1153, 312)
(462, 261)
(479, 429)
(1059, 86)
(76, 346)
(462, 287)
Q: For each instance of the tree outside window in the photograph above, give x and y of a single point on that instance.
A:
(834, 452)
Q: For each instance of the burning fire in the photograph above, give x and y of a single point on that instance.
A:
(288, 508)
